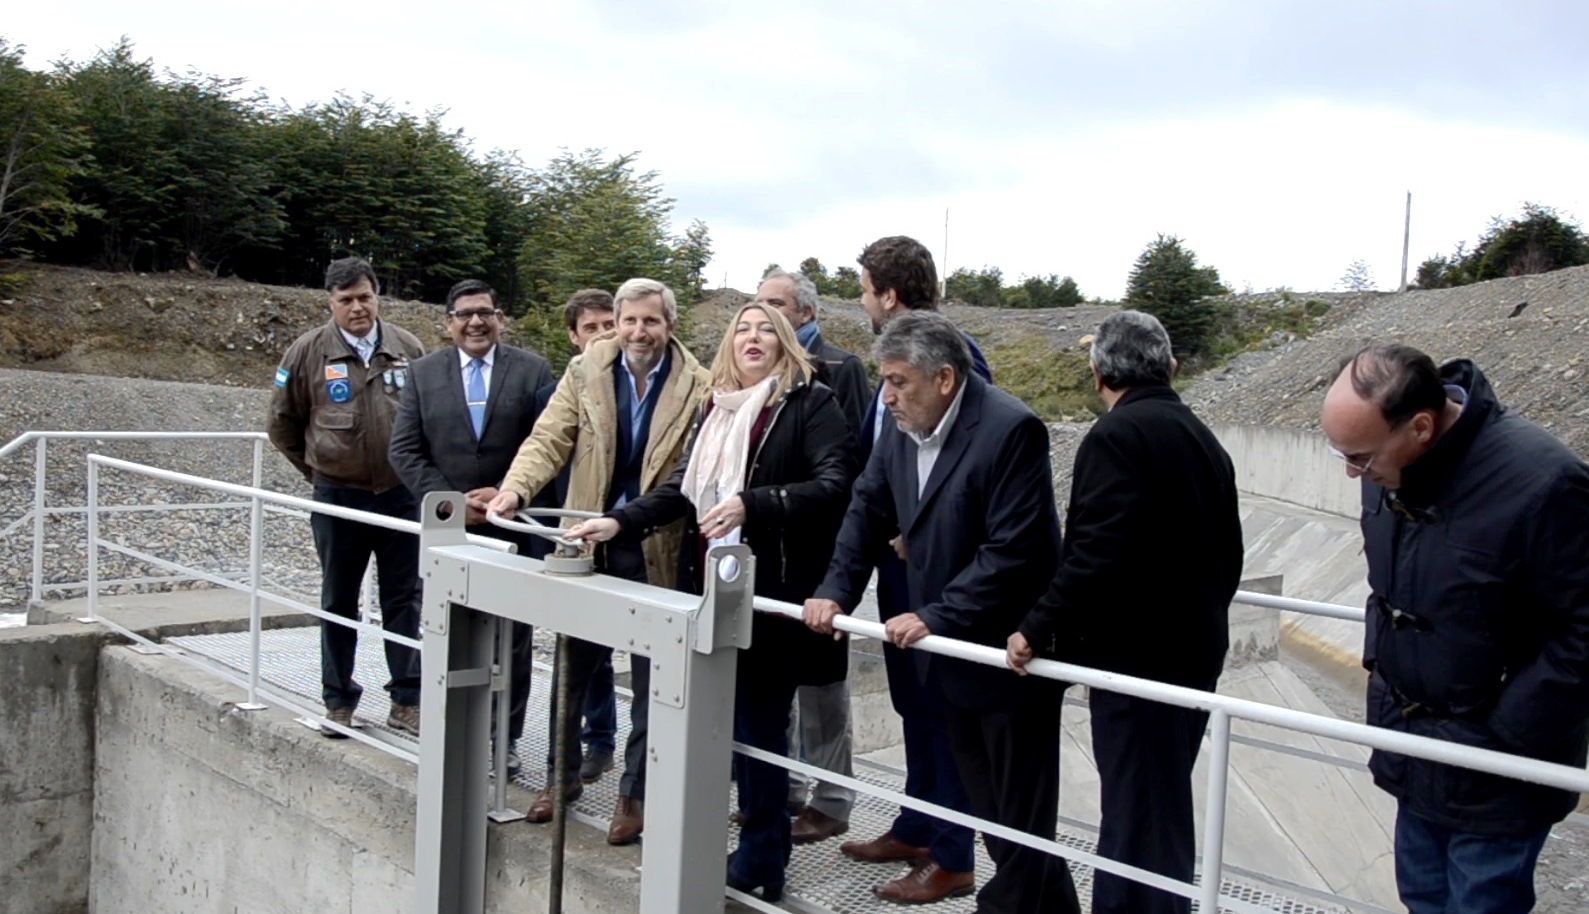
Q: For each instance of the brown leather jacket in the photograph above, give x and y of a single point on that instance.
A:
(331, 415)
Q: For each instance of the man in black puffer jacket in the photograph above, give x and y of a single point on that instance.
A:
(1476, 532)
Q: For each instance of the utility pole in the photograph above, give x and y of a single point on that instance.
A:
(943, 279)
(1406, 243)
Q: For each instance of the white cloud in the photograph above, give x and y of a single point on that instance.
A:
(1061, 137)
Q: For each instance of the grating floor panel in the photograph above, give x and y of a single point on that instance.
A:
(819, 877)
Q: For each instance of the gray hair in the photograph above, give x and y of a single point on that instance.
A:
(924, 340)
(805, 291)
(1132, 349)
(640, 287)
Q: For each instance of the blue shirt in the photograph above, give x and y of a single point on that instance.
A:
(637, 406)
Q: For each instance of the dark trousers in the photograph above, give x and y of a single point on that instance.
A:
(620, 558)
(1009, 763)
(344, 548)
(1441, 871)
(761, 719)
(601, 711)
(1145, 752)
(930, 772)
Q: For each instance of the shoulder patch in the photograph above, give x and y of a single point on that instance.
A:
(281, 377)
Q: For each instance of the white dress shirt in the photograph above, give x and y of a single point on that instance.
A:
(928, 448)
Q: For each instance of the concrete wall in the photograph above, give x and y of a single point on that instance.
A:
(47, 679)
(1290, 465)
(200, 807)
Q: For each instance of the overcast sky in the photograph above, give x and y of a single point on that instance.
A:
(1278, 139)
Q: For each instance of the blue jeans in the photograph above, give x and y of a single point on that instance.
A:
(1441, 871)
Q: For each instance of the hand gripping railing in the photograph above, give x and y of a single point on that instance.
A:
(1222, 709)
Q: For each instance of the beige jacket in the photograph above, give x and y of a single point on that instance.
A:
(581, 423)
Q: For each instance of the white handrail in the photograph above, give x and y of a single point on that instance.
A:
(277, 498)
(1564, 777)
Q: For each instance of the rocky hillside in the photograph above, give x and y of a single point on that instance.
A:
(1530, 336)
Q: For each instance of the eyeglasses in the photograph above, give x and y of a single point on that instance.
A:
(467, 316)
(1358, 463)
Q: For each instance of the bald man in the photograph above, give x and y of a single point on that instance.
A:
(1476, 531)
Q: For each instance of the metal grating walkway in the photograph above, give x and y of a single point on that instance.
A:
(820, 879)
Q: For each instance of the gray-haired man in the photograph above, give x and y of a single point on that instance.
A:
(1152, 557)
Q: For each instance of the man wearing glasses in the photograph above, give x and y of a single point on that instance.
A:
(1476, 533)
(466, 411)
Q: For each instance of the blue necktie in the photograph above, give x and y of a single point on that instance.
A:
(476, 395)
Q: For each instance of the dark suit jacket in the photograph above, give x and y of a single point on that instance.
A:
(982, 541)
(433, 445)
(1153, 548)
(844, 374)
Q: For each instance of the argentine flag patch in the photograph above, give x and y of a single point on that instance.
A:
(281, 377)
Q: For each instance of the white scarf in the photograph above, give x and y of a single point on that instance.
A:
(722, 447)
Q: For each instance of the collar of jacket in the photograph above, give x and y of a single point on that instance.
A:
(1422, 479)
(1147, 392)
(596, 365)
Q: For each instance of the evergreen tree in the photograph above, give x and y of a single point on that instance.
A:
(1167, 283)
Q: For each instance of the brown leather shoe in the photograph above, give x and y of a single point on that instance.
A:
(926, 883)
(340, 716)
(813, 825)
(628, 820)
(886, 849)
(541, 810)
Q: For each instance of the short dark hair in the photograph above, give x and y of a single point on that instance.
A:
(469, 287)
(1400, 380)
(347, 272)
(586, 300)
(904, 265)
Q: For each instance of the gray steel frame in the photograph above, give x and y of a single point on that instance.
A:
(693, 644)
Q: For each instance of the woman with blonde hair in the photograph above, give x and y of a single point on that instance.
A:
(771, 467)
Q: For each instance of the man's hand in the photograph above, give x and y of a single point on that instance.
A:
(898, 543)
(504, 504)
(819, 616)
(1018, 653)
(724, 517)
(476, 501)
(905, 630)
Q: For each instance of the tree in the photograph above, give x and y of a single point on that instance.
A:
(691, 254)
(1357, 278)
(984, 287)
(41, 150)
(1049, 291)
(847, 283)
(595, 222)
(1539, 241)
(1167, 283)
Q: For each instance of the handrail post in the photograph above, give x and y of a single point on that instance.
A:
(259, 462)
(40, 475)
(1214, 813)
(256, 549)
(93, 539)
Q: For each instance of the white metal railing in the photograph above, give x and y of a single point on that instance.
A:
(257, 499)
(1222, 710)
(40, 509)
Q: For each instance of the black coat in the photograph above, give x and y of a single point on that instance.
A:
(795, 494)
(1478, 620)
(1153, 548)
(981, 540)
(844, 374)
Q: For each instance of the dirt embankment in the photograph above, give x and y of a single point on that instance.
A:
(1529, 334)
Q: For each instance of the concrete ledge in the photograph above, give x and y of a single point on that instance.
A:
(201, 807)
(173, 614)
(47, 683)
